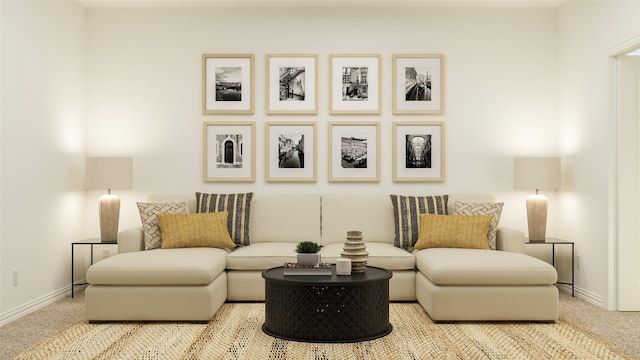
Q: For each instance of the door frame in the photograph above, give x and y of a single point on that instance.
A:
(613, 241)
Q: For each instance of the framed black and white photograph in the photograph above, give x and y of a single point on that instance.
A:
(418, 84)
(418, 151)
(227, 84)
(292, 84)
(354, 84)
(229, 151)
(291, 151)
(354, 151)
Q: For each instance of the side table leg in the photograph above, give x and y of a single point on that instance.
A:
(72, 249)
(573, 281)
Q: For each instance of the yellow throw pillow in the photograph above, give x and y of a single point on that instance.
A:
(453, 231)
(195, 230)
(495, 209)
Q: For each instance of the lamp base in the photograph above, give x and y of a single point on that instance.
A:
(109, 211)
(537, 217)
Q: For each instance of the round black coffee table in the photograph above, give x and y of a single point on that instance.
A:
(327, 308)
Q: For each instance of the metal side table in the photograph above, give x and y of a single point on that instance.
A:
(553, 242)
(90, 242)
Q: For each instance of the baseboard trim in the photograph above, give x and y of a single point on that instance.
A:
(583, 295)
(590, 297)
(34, 305)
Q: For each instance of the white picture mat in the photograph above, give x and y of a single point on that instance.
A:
(309, 102)
(211, 170)
(273, 171)
(214, 62)
(437, 149)
(373, 84)
(369, 132)
(435, 66)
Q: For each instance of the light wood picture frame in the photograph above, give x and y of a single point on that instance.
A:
(228, 84)
(355, 84)
(354, 151)
(292, 84)
(291, 151)
(418, 84)
(418, 151)
(229, 151)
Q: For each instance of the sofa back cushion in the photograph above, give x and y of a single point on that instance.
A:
(371, 214)
(295, 218)
(285, 218)
(273, 218)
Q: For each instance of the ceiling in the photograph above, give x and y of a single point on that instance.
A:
(322, 3)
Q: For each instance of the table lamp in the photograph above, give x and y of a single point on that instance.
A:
(537, 173)
(109, 173)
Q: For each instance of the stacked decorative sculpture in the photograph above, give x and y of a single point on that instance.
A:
(355, 249)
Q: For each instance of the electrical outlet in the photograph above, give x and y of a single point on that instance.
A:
(106, 253)
(579, 261)
(15, 277)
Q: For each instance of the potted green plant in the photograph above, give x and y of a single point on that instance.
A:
(308, 253)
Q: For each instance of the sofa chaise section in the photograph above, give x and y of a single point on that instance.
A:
(475, 284)
(161, 284)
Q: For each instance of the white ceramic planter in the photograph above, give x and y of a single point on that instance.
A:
(312, 259)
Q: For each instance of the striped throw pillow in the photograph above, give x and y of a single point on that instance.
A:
(406, 211)
(237, 205)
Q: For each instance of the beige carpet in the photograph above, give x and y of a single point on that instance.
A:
(235, 333)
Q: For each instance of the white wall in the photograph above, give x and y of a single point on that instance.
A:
(144, 91)
(586, 32)
(42, 201)
(142, 69)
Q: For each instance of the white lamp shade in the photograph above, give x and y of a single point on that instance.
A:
(109, 173)
(536, 173)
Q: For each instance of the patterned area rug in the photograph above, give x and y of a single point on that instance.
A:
(235, 333)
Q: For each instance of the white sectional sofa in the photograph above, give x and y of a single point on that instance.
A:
(192, 283)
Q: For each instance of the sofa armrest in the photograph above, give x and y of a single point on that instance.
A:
(511, 240)
(130, 240)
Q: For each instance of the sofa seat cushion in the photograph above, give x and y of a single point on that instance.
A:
(383, 255)
(185, 266)
(448, 266)
(261, 256)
